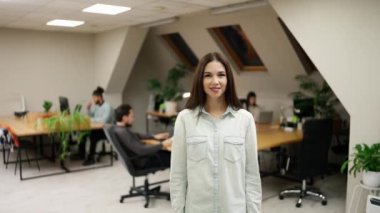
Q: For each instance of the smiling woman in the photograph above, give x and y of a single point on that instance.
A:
(214, 80)
(214, 166)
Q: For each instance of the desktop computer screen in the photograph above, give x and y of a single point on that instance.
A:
(64, 104)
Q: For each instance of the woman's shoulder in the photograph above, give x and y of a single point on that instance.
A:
(186, 112)
(244, 114)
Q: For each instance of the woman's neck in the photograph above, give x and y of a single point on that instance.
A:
(216, 107)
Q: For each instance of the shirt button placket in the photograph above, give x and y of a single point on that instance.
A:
(216, 164)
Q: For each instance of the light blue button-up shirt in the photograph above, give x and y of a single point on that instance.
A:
(214, 164)
(103, 113)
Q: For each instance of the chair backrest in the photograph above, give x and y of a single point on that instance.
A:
(313, 151)
(109, 131)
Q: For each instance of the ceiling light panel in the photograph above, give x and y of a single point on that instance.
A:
(106, 9)
(64, 23)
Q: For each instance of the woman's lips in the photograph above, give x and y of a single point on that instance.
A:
(215, 89)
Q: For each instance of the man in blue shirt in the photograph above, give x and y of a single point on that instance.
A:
(99, 111)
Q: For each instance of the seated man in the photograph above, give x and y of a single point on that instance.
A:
(134, 142)
(99, 111)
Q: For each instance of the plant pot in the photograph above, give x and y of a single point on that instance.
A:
(371, 179)
(170, 107)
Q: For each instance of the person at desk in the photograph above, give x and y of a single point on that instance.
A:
(214, 165)
(252, 105)
(135, 141)
(99, 111)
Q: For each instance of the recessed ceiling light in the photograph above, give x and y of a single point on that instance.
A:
(106, 9)
(64, 23)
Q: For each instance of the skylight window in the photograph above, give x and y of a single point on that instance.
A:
(106, 9)
(181, 49)
(64, 23)
(235, 43)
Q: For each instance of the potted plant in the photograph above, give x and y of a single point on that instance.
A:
(323, 97)
(47, 106)
(170, 91)
(366, 159)
(63, 125)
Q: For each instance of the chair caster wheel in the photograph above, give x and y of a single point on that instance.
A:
(280, 197)
(324, 202)
(168, 198)
(146, 206)
(298, 205)
(121, 200)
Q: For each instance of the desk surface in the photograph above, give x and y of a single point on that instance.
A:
(161, 114)
(26, 126)
(268, 136)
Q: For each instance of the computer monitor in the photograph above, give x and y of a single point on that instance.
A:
(265, 117)
(64, 104)
(303, 107)
(78, 108)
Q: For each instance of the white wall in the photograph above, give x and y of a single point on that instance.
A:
(263, 30)
(153, 62)
(44, 65)
(115, 55)
(341, 38)
(107, 49)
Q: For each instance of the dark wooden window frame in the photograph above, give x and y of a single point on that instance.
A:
(225, 45)
(177, 51)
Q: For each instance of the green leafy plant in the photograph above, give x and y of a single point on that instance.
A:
(171, 90)
(324, 98)
(63, 125)
(47, 106)
(366, 158)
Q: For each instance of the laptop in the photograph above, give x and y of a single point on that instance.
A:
(265, 117)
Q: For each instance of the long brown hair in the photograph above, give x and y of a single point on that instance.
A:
(198, 96)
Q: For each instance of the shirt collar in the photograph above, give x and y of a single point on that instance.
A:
(229, 111)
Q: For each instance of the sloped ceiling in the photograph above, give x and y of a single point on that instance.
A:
(33, 14)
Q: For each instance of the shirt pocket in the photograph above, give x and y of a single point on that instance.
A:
(196, 148)
(233, 148)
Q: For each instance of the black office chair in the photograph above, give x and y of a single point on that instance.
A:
(128, 158)
(312, 158)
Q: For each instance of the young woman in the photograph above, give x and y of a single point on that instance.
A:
(214, 166)
(252, 105)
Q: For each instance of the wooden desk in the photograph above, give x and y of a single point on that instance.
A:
(26, 126)
(160, 115)
(268, 136)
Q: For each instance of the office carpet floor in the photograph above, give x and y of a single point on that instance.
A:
(99, 190)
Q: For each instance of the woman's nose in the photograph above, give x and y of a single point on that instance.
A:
(215, 80)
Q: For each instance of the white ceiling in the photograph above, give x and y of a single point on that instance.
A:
(33, 14)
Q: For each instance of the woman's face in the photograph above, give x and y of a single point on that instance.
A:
(252, 100)
(214, 80)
